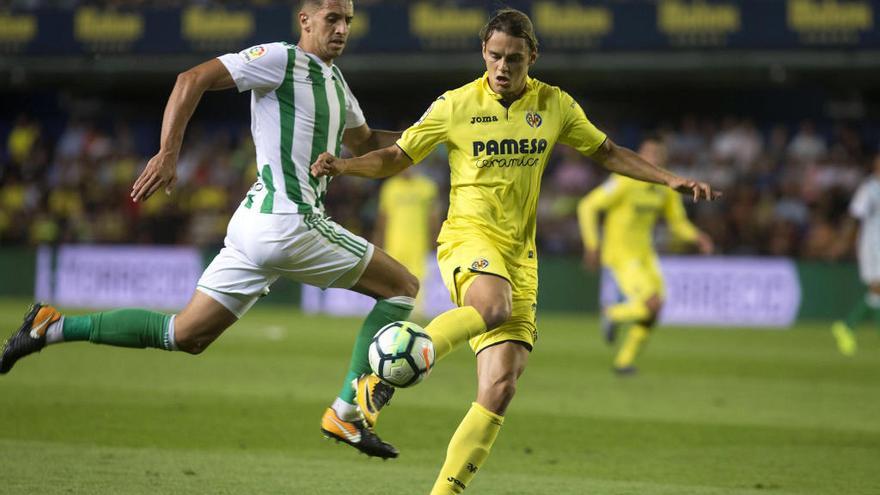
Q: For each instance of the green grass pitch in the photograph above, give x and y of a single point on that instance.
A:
(712, 412)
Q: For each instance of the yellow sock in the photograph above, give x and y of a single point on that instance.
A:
(454, 327)
(635, 338)
(468, 449)
(628, 311)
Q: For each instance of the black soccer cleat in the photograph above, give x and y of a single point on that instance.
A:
(30, 337)
(357, 434)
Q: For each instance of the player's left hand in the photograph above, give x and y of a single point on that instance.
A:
(700, 190)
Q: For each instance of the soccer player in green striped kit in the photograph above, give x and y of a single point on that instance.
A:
(301, 107)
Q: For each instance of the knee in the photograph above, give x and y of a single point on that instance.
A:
(497, 394)
(495, 313)
(410, 286)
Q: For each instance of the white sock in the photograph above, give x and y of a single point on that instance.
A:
(172, 342)
(55, 334)
(345, 411)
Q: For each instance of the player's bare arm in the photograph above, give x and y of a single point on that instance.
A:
(624, 161)
(161, 170)
(362, 140)
(377, 164)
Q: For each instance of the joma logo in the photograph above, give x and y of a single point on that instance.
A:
(483, 119)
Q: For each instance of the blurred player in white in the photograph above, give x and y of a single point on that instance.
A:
(865, 208)
(301, 107)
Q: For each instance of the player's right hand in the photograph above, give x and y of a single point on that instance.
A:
(160, 172)
(326, 164)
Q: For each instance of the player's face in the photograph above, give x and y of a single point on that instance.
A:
(654, 152)
(325, 31)
(508, 59)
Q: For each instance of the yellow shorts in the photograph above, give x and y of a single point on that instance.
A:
(461, 262)
(639, 278)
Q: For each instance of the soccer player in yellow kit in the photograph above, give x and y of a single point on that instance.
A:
(631, 210)
(406, 225)
(499, 131)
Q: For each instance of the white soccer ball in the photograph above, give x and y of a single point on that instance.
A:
(401, 354)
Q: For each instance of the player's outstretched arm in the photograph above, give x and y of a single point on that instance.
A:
(161, 170)
(362, 140)
(624, 161)
(377, 164)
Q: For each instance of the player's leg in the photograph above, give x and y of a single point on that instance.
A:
(479, 283)
(636, 337)
(394, 289)
(642, 284)
(327, 255)
(498, 369)
(868, 304)
(191, 330)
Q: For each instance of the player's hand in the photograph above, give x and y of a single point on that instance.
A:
(705, 244)
(700, 190)
(327, 164)
(591, 259)
(160, 172)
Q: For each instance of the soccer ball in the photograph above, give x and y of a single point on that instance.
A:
(401, 354)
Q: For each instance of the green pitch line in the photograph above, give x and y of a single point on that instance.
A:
(711, 412)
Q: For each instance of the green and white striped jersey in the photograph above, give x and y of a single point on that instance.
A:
(300, 107)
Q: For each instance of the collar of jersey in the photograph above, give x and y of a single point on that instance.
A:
(315, 58)
(484, 83)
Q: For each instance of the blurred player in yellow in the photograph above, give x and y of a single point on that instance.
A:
(632, 208)
(408, 221)
(499, 131)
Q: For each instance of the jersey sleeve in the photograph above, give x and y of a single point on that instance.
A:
(599, 199)
(429, 131)
(676, 218)
(577, 131)
(260, 67)
(354, 116)
(860, 206)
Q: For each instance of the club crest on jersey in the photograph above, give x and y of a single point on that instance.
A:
(253, 53)
(534, 119)
(480, 264)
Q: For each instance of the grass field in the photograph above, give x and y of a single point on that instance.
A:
(712, 412)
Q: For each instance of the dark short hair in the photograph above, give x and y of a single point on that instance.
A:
(315, 4)
(513, 23)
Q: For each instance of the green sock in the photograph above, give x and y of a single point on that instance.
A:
(122, 328)
(859, 312)
(384, 312)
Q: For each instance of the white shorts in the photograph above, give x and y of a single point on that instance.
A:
(869, 262)
(261, 247)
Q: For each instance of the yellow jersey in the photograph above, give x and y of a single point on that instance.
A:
(407, 204)
(631, 211)
(497, 155)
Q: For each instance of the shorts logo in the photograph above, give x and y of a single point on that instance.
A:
(253, 53)
(480, 264)
(534, 119)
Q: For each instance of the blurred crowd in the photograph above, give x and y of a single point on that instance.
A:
(137, 4)
(786, 187)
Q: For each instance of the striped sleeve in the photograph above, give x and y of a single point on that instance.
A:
(258, 67)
